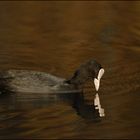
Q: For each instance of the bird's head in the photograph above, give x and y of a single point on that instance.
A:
(89, 70)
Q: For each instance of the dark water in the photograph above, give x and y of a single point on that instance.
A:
(56, 37)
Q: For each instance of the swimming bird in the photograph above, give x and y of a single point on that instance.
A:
(24, 81)
(41, 82)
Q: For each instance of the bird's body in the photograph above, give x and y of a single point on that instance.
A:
(33, 82)
(41, 82)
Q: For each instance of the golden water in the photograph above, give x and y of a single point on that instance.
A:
(56, 37)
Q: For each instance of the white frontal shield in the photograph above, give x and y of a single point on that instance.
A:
(97, 80)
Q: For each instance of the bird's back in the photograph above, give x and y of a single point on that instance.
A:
(31, 81)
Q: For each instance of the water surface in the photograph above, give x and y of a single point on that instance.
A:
(56, 37)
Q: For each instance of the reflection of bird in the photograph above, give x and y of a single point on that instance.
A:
(40, 82)
(83, 109)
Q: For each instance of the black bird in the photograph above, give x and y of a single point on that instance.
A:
(41, 82)
(37, 86)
